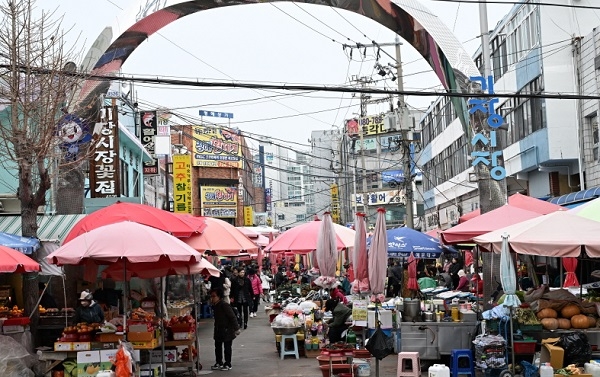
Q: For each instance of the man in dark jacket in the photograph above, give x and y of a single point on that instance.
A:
(226, 329)
(88, 310)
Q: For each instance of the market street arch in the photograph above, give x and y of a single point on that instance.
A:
(408, 18)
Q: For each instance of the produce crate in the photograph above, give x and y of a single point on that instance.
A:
(183, 335)
(19, 321)
(182, 328)
(109, 337)
(145, 345)
(524, 346)
(140, 336)
(525, 328)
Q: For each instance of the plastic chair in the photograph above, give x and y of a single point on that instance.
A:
(292, 352)
(415, 364)
(457, 365)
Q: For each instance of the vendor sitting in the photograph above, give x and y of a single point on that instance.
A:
(337, 294)
(337, 324)
(88, 310)
(463, 282)
(477, 287)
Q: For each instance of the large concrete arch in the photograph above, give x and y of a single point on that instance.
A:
(408, 18)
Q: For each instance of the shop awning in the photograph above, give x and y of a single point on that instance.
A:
(51, 227)
(576, 197)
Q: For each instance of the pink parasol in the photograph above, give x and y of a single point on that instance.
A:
(360, 259)
(219, 238)
(378, 256)
(520, 201)
(255, 237)
(137, 213)
(302, 239)
(13, 261)
(412, 273)
(151, 270)
(126, 241)
(326, 253)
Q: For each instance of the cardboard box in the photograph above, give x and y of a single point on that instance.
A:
(140, 336)
(138, 328)
(170, 356)
(150, 370)
(82, 346)
(109, 337)
(145, 345)
(552, 354)
(63, 346)
(88, 363)
(103, 345)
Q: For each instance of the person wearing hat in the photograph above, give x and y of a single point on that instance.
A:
(477, 287)
(88, 310)
(463, 282)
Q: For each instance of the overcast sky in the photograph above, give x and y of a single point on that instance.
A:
(275, 43)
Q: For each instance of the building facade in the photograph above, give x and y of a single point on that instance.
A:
(532, 53)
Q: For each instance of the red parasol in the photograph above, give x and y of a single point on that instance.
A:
(219, 238)
(259, 239)
(12, 261)
(412, 273)
(570, 266)
(360, 259)
(137, 213)
(378, 255)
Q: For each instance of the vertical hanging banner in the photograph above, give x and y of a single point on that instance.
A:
(182, 183)
(487, 156)
(335, 204)
(105, 162)
(248, 216)
(149, 126)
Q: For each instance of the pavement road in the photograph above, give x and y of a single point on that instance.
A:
(255, 354)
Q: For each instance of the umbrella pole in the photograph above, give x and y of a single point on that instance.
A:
(512, 341)
(162, 327)
(196, 319)
(377, 326)
(125, 296)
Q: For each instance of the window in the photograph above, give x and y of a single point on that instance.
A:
(595, 137)
(280, 216)
(300, 218)
(372, 180)
(499, 57)
(124, 179)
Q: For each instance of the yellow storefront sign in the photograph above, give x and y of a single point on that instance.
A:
(182, 183)
(248, 216)
(217, 147)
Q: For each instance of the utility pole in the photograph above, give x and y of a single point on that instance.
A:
(363, 81)
(406, 141)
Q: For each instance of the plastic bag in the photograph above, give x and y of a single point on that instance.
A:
(380, 345)
(577, 348)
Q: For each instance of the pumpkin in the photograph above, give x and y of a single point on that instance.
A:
(564, 323)
(570, 310)
(580, 321)
(591, 321)
(547, 313)
(550, 323)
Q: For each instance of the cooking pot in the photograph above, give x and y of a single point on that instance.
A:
(428, 316)
(412, 310)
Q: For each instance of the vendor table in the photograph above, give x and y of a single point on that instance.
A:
(432, 339)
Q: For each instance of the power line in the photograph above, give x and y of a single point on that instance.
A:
(517, 3)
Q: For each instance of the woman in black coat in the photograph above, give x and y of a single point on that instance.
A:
(241, 293)
(457, 265)
(226, 329)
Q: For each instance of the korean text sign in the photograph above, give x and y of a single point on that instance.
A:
(105, 161)
(182, 183)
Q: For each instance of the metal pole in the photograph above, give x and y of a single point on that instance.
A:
(363, 113)
(485, 38)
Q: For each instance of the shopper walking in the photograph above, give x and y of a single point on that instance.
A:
(241, 293)
(265, 281)
(226, 329)
(256, 285)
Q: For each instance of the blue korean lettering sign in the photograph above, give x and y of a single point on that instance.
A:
(217, 114)
(494, 121)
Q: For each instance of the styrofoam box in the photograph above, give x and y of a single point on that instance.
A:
(385, 317)
(182, 335)
(13, 329)
(88, 361)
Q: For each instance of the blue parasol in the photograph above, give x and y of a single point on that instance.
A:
(403, 241)
(26, 245)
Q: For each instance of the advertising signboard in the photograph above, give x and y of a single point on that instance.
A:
(216, 147)
(182, 183)
(219, 201)
(104, 162)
